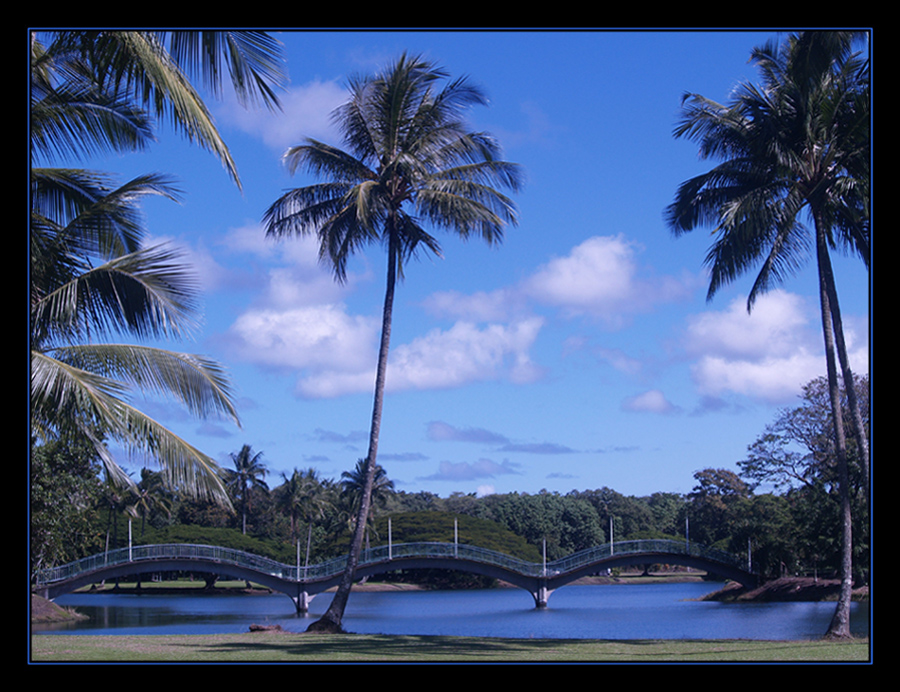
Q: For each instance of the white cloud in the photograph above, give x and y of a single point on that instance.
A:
(600, 278)
(768, 354)
(206, 271)
(251, 240)
(336, 352)
(594, 277)
(777, 325)
(482, 306)
(438, 431)
(653, 401)
(491, 340)
(772, 379)
(465, 353)
(306, 112)
(329, 383)
(306, 337)
(289, 268)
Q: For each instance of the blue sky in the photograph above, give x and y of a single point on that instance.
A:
(581, 353)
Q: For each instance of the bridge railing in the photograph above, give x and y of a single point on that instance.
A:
(595, 554)
(379, 554)
(461, 551)
(149, 553)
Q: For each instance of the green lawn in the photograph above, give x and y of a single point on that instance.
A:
(288, 647)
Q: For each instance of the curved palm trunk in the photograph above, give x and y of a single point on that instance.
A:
(840, 621)
(331, 620)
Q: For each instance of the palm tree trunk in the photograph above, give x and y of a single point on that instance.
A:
(840, 621)
(331, 620)
(859, 430)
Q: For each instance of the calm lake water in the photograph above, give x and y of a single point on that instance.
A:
(645, 611)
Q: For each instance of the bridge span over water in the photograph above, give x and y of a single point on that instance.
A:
(300, 583)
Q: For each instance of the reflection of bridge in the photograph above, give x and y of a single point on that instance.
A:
(301, 582)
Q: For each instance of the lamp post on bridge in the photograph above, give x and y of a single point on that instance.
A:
(612, 542)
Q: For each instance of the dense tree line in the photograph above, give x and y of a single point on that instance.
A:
(791, 528)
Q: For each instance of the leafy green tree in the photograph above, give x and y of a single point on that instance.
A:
(316, 499)
(816, 510)
(564, 523)
(420, 501)
(65, 490)
(119, 504)
(631, 517)
(796, 148)
(81, 385)
(797, 448)
(408, 148)
(449, 527)
(668, 513)
(248, 476)
(764, 527)
(796, 452)
(305, 496)
(714, 505)
(288, 494)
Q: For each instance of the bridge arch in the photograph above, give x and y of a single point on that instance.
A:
(302, 583)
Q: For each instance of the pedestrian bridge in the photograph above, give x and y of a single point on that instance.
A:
(300, 583)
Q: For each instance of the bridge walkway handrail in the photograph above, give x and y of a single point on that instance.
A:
(379, 554)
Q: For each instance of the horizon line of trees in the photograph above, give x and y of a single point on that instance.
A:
(792, 529)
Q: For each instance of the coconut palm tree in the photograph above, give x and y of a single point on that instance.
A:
(314, 499)
(90, 273)
(303, 496)
(248, 475)
(84, 287)
(151, 495)
(410, 159)
(793, 182)
(353, 484)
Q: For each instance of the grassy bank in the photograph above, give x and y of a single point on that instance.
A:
(286, 647)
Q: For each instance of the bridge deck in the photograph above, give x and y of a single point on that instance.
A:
(300, 581)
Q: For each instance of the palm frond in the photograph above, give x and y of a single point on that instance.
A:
(136, 64)
(78, 120)
(90, 215)
(146, 293)
(253, 60)
(64, 396)
(199, 383)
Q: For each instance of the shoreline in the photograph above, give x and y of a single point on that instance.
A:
(786, 589)
(779, 590)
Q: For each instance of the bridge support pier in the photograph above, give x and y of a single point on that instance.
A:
(541, 595)
(301, 601)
